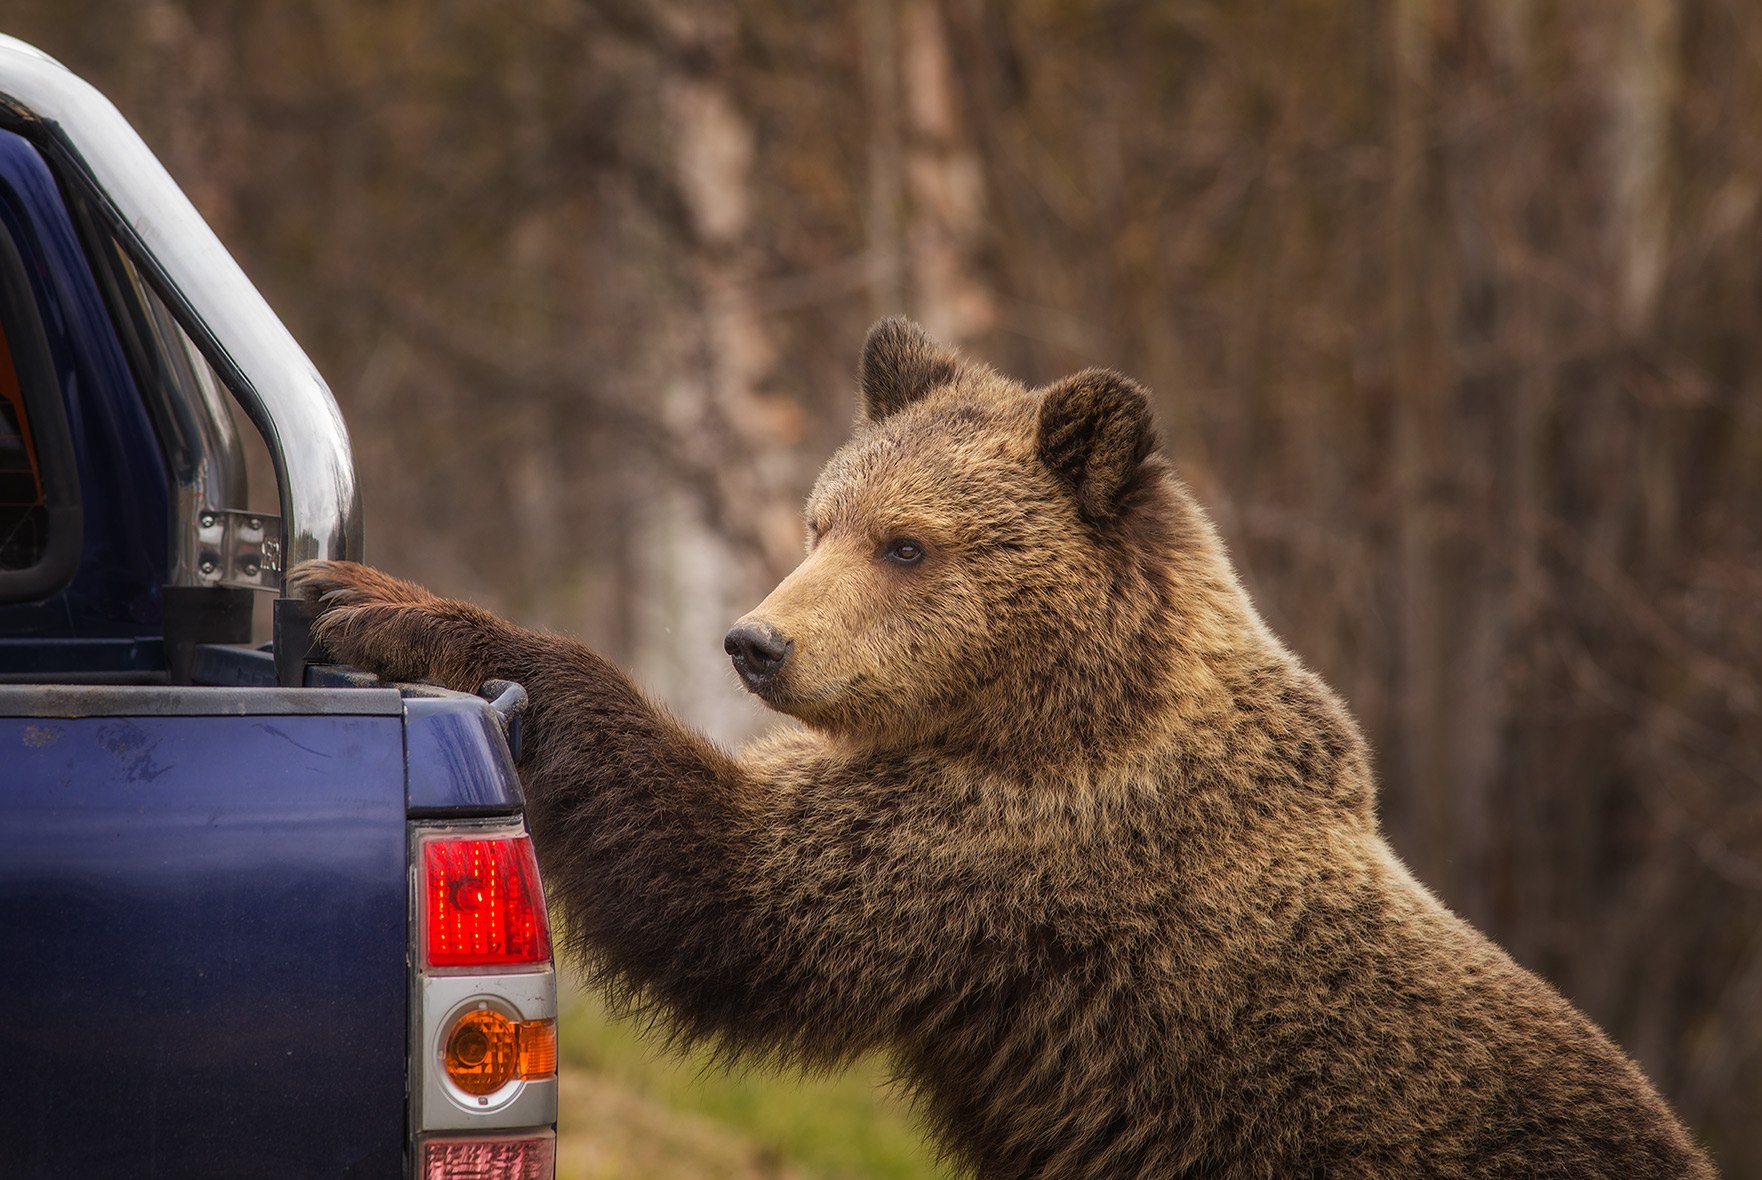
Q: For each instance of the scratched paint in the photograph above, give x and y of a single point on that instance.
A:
(39, 737)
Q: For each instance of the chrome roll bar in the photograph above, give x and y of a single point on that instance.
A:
(94, 149)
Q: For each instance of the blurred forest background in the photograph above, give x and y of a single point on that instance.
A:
(1453, 311)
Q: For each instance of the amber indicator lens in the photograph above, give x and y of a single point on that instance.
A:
(482, 1052)
(538, 1048)
(485, 1051)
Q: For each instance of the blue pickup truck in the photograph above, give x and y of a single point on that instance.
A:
(259, 916)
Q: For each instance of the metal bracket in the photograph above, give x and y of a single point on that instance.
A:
(238, 549)
(508, 699)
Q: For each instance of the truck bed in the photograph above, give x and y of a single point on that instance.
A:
(204, 899)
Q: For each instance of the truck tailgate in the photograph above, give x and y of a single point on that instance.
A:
(240, 857)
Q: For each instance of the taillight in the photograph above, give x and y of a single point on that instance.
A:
(482, 901)
(483, 1033)
(527, 1157)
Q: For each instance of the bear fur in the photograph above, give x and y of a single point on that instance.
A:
(1063, 828)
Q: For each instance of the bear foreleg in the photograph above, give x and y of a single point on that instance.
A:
(655, 841)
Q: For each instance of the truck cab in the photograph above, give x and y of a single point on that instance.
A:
(262, 916)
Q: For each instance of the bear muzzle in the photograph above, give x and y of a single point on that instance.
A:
(759, 651)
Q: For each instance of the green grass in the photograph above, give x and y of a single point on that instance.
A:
(630, 1108)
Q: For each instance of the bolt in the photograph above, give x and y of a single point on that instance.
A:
(208, 567)
(208, 520)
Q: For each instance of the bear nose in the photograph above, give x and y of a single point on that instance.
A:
(758, 650)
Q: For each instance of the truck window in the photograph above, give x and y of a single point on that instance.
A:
(39, 487)
(22, 515)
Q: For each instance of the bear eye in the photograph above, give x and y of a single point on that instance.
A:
(904, 551)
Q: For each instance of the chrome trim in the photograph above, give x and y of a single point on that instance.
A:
(175, 251)
(207, 461)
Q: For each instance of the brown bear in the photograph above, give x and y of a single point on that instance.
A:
(1063, 828)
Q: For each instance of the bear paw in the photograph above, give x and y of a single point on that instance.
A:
(337, 585)
(370, 619)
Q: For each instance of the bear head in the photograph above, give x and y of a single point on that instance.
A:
(988, 563)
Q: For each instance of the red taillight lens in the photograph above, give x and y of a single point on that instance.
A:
(483, 902)
(531, 1157)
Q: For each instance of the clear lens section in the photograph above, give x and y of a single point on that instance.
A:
(530, 1157)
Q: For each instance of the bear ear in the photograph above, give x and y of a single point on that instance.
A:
(1095, 430)
(900, 364)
